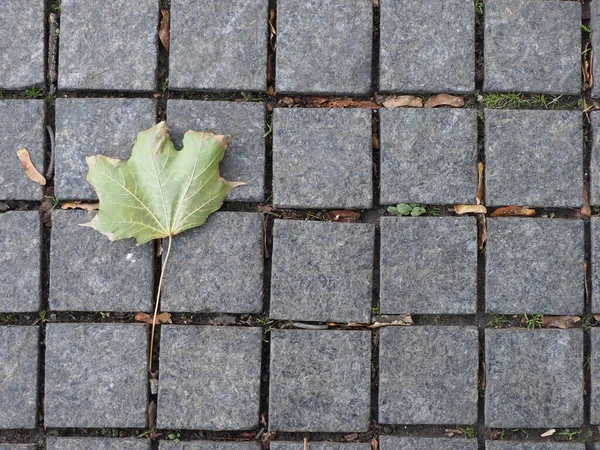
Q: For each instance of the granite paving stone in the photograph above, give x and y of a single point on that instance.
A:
(595, 37)
(22, 126)
(218, 45)
(280, 445)
(20, 287)
(595, 158)
(424, 443)
(19, 376)
(18, 447)
(428, 375)
(324, 53)
(22, 53)
(96, 375)
(428, 156)
(595, 263)
(104, 46)
(209, 445)
(209, 377)
(322, 271)
(91, 126)
(595, 376)
(217, 267)
(534, 265)
(244, 124)
(507, 445)
(320, 381)
(428, 265)
(534, 158)
(427, 49)
(322, 158)
(518, 54)
(57, 443)
(90, 273)
(534, 378)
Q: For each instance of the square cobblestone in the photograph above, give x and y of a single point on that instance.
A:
(427, 49)
(208, 445)
(106, 46)
(534, 266)
(209, 377)
(18, 447)
(519, 56)
(322, 158)
(428, 375)
(54, 443)
(322, 271)
(534, 378)
(22, 53)
(595, 376)
(595, 260)
(324, 53)
(428, 156)
(319, 446)
(90, 126)
(534, 158)
(218, 267)
(244, 124)
(595, 26)
(595, 157)
(428, 265)
(22, 126)
(19, 376)
(410, 443)
(334, 389)
(20, 288)
(219, 45)
(96, 375)
(90, 273)
(507, 445)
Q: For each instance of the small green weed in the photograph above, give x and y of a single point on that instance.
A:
(165, 85)
(467, 432)
(269, 130)
(569, 435)
(175, 437)
(586, 28)
(533, 321)
(103, 315)
(33, 92)
(9, 318)
(498, 321)
(55, 8)
(407, 209)
(479, 7)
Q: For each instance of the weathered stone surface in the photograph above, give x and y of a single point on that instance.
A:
(18, 447)
(427, 49)
(428, 375)
(595, 157)
(410, 443)
(534, 265)
(278, 445)
(20, 288)
(217, 267)
(57, 443)
(244, 124)
(209, 445)
(322, 271)
(595, 26)
(209, 377)
(96, 375)
(507, 445)
(324, 46)
(428, 156)
(533, 157)
(94, 126)
(90, 273)
(333, 393)
(106, 46)
(428, 265)
(22, 126)
(218, 45)
(595, 259)
(519, 56)
(22, 52)
(534, 378)
(595, 376)
(18, 376)
(322, 158)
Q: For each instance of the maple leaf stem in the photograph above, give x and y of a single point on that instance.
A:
(160, 282)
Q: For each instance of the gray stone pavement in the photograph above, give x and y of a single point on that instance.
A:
(277, 302)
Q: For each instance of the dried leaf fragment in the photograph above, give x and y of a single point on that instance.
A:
(404, 322)
(341, 215)
(444, 100)
(482, 227)
(403, 101)
(163, 31)
(465, 209)
(480, 186)
(513, 211)
(30, 171)
(164, 317)
(562, 322)
(79, 205)
(548, 433)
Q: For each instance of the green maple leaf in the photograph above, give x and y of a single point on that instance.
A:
(159, 191)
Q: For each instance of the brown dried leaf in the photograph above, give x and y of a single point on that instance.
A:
(341, 215)
(32, 173)
(79, 205)
(374, 443)
(548, 433)
(342, 103)
(513, 211)
(444, 100)
(375, 142)
(351, 437)
(482, 226)
(272, 29)
(480, 185)
(586, 210)
(404, 322)
(403, 101)
(163, 31)
(465, 209)
(562, 322)
(164, 317)
(271, 91)
(597, 317)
